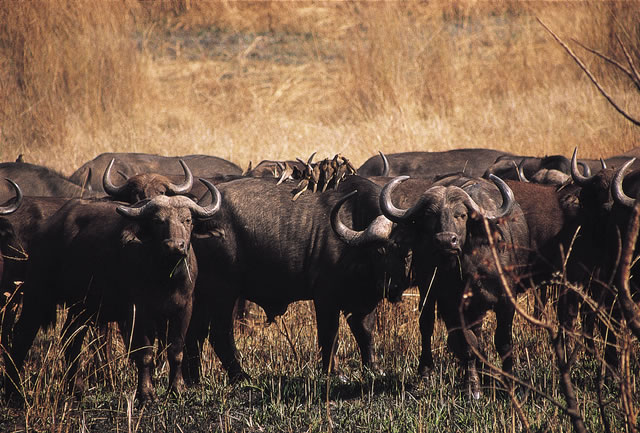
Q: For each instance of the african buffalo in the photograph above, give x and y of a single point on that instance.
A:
(143, 272)
(273, 251)
(130, 164)
(472, 162)
(514, 167)
(604, 210)
(454, 266)
(24, 225)
(36, 180)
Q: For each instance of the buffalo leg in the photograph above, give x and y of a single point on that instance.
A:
(328, 319)
(427, 322)
(362, 326)
(196, 334)
(503, 339)
(25, 332)
(74, 331)
(142, 348)
(175, 349)
(223, 341)
(461, 339)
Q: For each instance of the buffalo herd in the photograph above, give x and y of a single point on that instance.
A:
(170, 247)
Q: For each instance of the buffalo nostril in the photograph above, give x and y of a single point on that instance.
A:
(175, 247)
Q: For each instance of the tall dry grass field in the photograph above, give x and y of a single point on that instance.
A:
(276, 80)
(249, 81)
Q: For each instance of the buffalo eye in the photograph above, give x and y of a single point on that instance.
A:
(461, 215)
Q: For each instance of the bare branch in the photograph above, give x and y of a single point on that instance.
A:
(507, 288)
(609, 60)
(590, 75)
(636, 76)
(564, 363)
(629, 307)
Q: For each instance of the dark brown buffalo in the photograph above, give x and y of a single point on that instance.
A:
(602, 216)
(36, 180)
(507, 166)
(273, 251)
(472, 162)
(18, 232)
(453, 264)
(143, 270)
(130, 164)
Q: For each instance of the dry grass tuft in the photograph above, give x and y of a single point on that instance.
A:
(65, 65)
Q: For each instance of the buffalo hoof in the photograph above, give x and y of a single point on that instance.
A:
(147, 396)
(335, 379)
(13, 398)
(77, 388)
(473, 387)
(376, 370)
(239, 377)
(177, 388)
(424, 372)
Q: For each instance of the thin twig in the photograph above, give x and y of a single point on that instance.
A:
(565, 373)
(590, 75)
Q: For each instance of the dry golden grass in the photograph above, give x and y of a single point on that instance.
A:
(250, 81)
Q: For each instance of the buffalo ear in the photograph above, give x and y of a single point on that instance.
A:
(129, 236)
(215, 232)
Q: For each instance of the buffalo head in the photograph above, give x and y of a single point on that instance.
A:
(391, 254)
(148, 185)
(443, 212)
(595, 194)
(167, 221)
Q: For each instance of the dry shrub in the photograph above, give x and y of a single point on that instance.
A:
(61, 61)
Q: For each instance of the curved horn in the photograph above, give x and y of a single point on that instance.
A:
(249, 168)
(507, 201)
(287, 172)
(520, 171)
(392, 212)
(306, 166)
(204, 212)
(616, 186)
(16, 204)
(603, 163)
(311, 158)
(185, 186)
(578, 178)
(585, 167)
(135, 211)
(107, 185)
(378, 230)
(385, 165)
